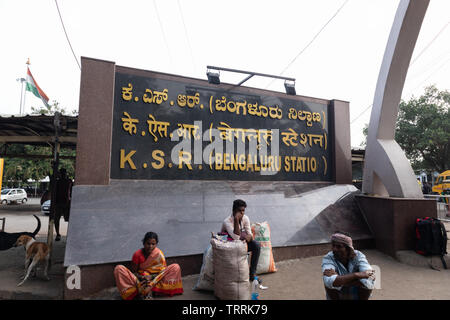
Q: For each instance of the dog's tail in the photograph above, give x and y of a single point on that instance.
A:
(35, 232)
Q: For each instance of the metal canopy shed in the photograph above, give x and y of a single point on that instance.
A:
(38, 130)
(55, 131)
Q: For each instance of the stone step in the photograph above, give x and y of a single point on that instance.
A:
(412, 258)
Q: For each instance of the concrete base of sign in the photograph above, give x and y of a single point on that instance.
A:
(392, 220)
(99, 277)
(107, 223)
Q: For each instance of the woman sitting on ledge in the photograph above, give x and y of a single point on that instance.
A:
(149, 273)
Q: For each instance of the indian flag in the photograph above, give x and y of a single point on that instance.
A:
(34, 88)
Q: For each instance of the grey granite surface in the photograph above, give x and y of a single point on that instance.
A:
(107, 223)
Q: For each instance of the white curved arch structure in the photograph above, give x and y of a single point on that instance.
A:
(387, 171)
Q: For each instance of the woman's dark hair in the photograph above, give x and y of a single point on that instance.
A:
(150, 235)
(237, 204)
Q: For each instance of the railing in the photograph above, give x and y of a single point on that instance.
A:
(442, 203)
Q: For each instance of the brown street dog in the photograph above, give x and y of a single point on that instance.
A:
(35, 253)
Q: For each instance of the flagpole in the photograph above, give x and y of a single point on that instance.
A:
(21, 94)
(25, 93)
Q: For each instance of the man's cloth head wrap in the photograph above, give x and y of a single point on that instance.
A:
(342, 238)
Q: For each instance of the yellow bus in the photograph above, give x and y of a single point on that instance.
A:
(442, 182)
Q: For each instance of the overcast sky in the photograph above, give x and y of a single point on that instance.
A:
(183, 37)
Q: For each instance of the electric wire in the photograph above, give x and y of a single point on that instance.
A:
(311, 41)
(430, 43)
(163, 33)
(425, 48)
(364, 111)
(187, 36)
(429, 65)
(67, 37)
(412, 62)
(432, 74)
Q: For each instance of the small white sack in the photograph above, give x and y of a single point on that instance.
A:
(206, 278)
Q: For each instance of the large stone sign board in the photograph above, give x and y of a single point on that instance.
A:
(178, 129)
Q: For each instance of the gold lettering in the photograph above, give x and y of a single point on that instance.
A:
(302, 115)
(188, 130)
(303, 139)
(129, 123)
(293, 158)
(267, 134)
(233, 108)
(264, 163)
(313, 164)
(241, 105)
(242, 165)
(317, 117)
(250, 163)
(159, 97)
(226, 161)
(289, 137)
(154, 125)
(221, 104)
(193, 100)
(146, 98)
(240, 132)
(184, 157)
(127, 94)
(253, 109)
(181, 100)
(257, 168)
(226, 133)
(218, 161)
(292, 114)
(275, 112)
(308, 118)
(300, 163)
(287, 165)
(158, 156)
(234, 162)
(316, 138)
(252, 133)
(127, 158)
(264, 111)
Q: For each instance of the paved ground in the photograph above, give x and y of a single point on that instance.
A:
(12, 268)
(19, 217)
(298, 279)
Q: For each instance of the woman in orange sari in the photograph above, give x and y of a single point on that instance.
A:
(149, 273)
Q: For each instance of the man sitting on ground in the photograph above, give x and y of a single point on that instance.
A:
(237, 226)
(346, 273)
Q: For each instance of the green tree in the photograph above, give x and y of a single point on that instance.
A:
(18, 170)
(51, 109)
(423, 130)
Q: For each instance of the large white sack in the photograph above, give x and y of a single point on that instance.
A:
(231, 272)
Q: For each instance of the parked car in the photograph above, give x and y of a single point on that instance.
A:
(13, 195)
(45, 207)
